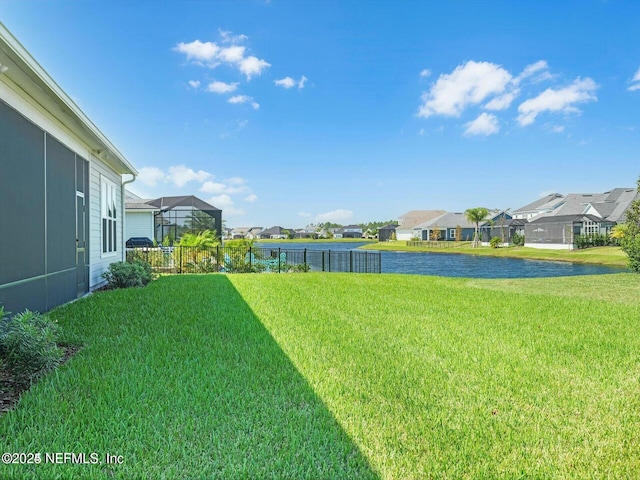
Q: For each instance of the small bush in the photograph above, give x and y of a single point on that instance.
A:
(518, 239)
(127, 275)
(495, 242)
(28, 343)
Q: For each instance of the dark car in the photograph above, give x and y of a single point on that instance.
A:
(135, 242)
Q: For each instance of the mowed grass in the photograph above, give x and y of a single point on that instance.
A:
(345, 376)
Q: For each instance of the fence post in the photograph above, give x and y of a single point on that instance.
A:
(323, 260)
(180, 266)
(350, 261)
(278, 259)
(304, 257)
(329, 260)
(250, 260)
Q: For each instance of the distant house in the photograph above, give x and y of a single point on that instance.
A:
(577, 214)
(408, 221)
(239, 233)
(350, 231)
(253, 233)
(61, 188)
(276, 232)
(445, 227)
(385, 233)
(168, 218)
(307, 232)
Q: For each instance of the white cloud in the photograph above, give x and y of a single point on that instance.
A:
(221, 201)
(221, 87)
(529, 70)
(180, 175)
(503, 101)
(425, 73)
(244, 99)
(560, 100)
(210, 54)
(421, 132)
(227, 37)
(231, 186)
(636, 82)
(234, 54)
(304, 214)
(335, 216)
(486, 124)
(150, 176)
(251, 66)
(251, 198)
(213, 188)
(468, 84)
(557, 128)
(233, 212)
(236, 181)
(194, 83)
(200, 52)
(286, 82)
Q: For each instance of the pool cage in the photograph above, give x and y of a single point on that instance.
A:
(185, 214)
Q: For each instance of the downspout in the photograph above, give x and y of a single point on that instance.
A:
(123, 215)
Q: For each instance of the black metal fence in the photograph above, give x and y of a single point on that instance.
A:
(255, 259)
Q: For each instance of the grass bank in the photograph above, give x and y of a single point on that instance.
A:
(345, 376)
(611, 256)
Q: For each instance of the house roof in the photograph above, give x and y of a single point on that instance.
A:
(391, 226)
(167, 203)
(26, 76)
(447, 220)
(416, 217)
(540, 204)
(277, 230)
(610, 205)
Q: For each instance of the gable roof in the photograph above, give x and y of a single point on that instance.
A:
(167, 203)
(448, 220)
(415, 217)
(26, 74)
(541, 204)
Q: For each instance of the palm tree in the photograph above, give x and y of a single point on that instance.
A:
(476, 215)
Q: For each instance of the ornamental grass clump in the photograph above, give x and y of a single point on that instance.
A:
(28, 344)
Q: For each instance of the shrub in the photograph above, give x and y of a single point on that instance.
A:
(495, 242)
(518, 239)
(28, 343)
(126, 275)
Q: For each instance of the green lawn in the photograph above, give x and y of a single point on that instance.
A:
(344, 376)
(612, 256)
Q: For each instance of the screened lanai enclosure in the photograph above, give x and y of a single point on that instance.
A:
(186, 214)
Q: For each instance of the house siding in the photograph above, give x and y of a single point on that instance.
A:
(100, 262)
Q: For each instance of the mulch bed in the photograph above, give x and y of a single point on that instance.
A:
(12, 386)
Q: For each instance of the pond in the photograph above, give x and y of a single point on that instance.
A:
(458, 265)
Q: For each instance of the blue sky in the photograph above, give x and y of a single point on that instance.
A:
(292, 112)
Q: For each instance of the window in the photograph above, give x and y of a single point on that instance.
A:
(452, 233)
(109, 217)
(591, 228)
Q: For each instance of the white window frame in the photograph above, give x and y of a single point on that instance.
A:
(452, 233)
(108, 218)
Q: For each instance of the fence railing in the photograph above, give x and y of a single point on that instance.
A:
(437, 243)
(255, 259)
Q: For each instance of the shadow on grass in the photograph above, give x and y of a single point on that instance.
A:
(183, 381)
